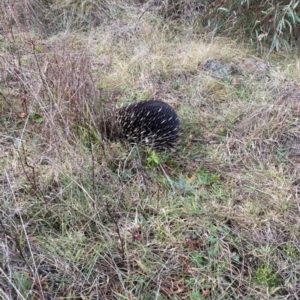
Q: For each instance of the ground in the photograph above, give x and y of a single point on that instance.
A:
(87, 218)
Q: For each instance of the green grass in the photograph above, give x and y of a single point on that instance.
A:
(85, 218)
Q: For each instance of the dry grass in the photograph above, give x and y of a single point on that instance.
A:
(82, 218)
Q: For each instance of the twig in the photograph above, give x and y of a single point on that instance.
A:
(118, 232)
(168, 178)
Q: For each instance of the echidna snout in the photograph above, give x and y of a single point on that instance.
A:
(151, 122)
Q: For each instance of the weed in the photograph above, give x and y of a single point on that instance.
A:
(152, 159)
(265, 275)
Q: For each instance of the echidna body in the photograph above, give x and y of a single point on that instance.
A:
(151, 122)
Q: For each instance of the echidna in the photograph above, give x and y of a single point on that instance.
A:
(151, 122)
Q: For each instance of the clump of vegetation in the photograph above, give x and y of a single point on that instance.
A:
(82, 217)
(275, 24)
(272, 23)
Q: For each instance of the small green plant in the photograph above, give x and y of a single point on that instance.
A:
(36, 117)
(195, 295)
(290, 250)
(214, 246)
(265, 275)
(206, 178)
(152, 159)
(23, 283)
(197, 259)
